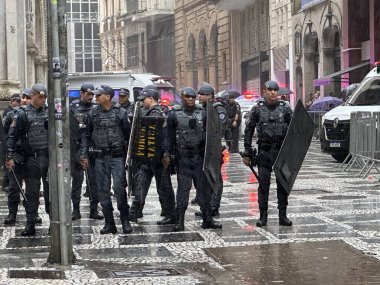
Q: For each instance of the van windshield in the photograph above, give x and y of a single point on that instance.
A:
(368, 93)
(169, 95)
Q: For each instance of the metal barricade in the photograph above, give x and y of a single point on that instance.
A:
(364, 143)
(316, 116)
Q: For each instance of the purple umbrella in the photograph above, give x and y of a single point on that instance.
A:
(325, 104)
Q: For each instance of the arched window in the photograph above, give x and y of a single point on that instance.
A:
(191, 55)
(298, 44)
(203, 48)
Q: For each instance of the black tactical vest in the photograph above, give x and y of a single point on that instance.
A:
(37, 132)
(272, 126)
(190, 128)
(107, 132)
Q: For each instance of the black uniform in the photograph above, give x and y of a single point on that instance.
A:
(78, 110)
(163, 182)
(129, 107)
(186, 140)
(109, 131)
(271, 122)
(232, 133)
(19, 171)
(30, 127)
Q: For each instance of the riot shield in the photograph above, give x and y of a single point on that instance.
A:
(147, 141)
(2, 145)
(294, 147)
(131, 147)
(211, 163)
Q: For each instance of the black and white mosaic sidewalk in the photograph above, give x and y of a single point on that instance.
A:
(327, 205)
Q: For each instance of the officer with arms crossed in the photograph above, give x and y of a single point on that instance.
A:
(108, 127)
(31, 127)
(78, 110)
(271, 118)
(186, 141)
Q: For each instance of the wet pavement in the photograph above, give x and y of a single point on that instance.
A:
(335, 238)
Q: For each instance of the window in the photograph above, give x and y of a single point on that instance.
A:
(132, 51)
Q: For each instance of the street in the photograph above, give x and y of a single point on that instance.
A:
(335, 237)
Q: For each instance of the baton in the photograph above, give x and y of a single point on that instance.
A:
(252, 169)
(18, 185)
(88, 184)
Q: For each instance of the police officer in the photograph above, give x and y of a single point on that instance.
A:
(78, 110)
(234, 113)
(125, 103)
(31, 127)
(186, 140)
(108, 127)
(206, 94)
(149, 98)
(271, 118)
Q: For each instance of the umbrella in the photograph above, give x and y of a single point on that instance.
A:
(325, 103)
(233, 94)
(285, 91)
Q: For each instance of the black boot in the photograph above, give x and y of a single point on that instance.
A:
(215, 212)
(262, 221)
(94, 214)
(163, 213)
(208, 221)
(109, 227)
(135, 212)
(10, 219)
(283, 219)
(124, 218)
(166, 221)
(180, 223)
(29, 230)
(76, 213)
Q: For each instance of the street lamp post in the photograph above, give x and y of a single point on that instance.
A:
(59, 137)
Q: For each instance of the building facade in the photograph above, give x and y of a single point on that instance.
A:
(202, 44)
(84, 49)
(149, 35)
(249, 53)
(112, 38)
(23, 59)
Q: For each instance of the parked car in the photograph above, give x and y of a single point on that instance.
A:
(335, 137)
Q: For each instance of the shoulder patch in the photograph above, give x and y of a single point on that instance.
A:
(222, 116)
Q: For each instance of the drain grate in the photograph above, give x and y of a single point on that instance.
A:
(36, 274)
(142, 273)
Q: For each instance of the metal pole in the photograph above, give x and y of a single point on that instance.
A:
(59, 163)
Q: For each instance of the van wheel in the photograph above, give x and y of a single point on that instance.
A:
(339, 157)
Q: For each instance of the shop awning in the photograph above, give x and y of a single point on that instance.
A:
(327, 79)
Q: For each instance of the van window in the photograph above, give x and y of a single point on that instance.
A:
(367, 94)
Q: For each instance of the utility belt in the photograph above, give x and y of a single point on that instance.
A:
(264, 146)
(190, 152)
(100, 153)
(38, 152)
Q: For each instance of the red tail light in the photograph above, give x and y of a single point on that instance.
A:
(248, 95)
(165, 101)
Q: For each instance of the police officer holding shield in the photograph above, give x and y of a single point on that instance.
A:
(78, 110)
(149, 98)
(271, 118)
(206, 94)
(186, 142)
(31, 127)
(108, 128)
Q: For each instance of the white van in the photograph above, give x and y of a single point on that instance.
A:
(335, 136)
(135, 82)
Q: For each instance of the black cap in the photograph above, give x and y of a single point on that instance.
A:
(149, 93)
(27, 92)
(123, 92)
(188, 91)
(206, 90)
(87, 87)
(104, 89)
(271, 85)
(40, 89)
(15, 97)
